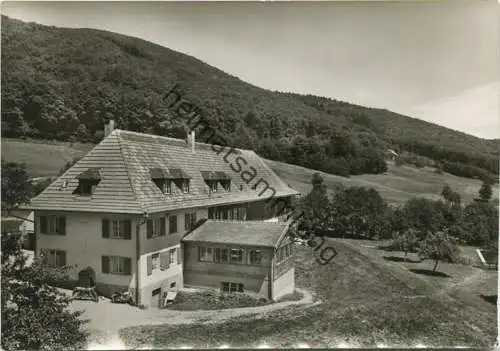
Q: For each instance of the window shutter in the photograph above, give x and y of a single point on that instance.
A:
(163, 260)
(149, 262)
(62, 257)
(128, 265)
(186, 221)
(149, 233)
(43, 224)
(163, 226)
(128, 229)
(167, 254)
(178, 255)
(62, 225)
(105, 228)
(105, 264)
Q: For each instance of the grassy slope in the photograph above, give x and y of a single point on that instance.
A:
(400, 184)
(42, 158)
(367, 302)
(397, 186)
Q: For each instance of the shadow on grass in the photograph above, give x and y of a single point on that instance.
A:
(490, 298)
(431, 273)
(400, 259)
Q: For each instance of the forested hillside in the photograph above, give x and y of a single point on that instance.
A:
(63, 84)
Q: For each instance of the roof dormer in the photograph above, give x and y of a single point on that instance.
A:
(88, 181)
(212, 179)
(164, 178)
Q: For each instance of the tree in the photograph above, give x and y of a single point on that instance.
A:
(16, 185)
(40, 186)
(485, 192)
(480, 223)
(424, 215)
(316, 204)
(439, 246)
(407, 241)
(34, 313)
(446, 192)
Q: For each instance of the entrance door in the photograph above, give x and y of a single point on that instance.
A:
(155, 297)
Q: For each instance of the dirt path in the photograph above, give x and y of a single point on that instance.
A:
(107, 318)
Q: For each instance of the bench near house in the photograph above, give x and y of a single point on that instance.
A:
(150, 214)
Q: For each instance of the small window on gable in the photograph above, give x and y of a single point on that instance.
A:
(88, 181)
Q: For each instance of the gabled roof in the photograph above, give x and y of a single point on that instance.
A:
(125, 160)
(251, 233)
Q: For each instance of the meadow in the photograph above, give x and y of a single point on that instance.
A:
(368, 301)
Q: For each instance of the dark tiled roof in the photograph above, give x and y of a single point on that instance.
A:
(254, 233)
(125, 160)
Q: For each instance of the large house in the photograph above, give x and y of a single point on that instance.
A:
(150, 214)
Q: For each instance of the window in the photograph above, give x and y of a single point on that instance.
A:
(171, 256)
(156, 227)
(185, 185)
(205, 254)
(53, 225)
(120, 229)
(226, 184)
(155, 261)
(236, 256)
(117, 229)
(54, 258)
(116, 265)
(213, 185)
(224, 255)
(231, 287)
(221, 255)
(255, 257)
(189, 220)
(172, 224)
(167, 187)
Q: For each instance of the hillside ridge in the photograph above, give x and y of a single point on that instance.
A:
(64, 83)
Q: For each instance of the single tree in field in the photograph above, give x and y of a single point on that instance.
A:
(485, 192)
(446, 192)
(407, 241)
(34, 313)
(450, 196)
(316, 204)
(16, 185)
(439, 246)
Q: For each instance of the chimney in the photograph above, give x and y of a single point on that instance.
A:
(109, 127)
(192, 141)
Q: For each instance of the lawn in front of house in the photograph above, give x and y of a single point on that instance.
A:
(215, 300)
(367, 301)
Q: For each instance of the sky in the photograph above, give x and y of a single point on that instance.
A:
(437, 61)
